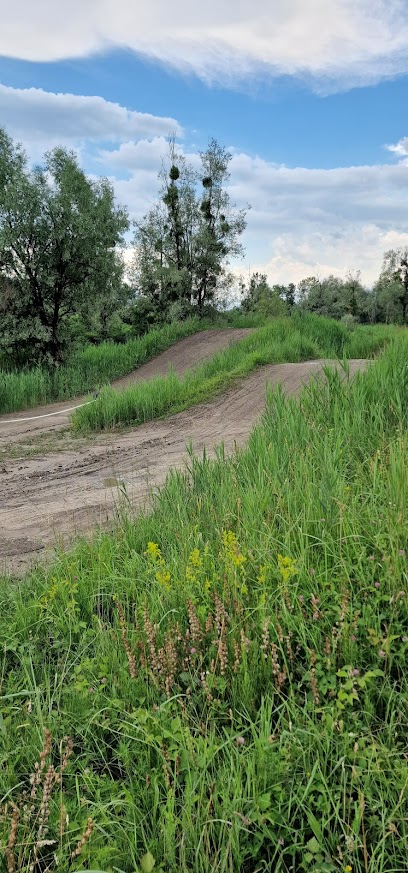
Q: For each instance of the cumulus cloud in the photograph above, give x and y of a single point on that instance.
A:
(335, 42)
(302, 221)
(33, 115)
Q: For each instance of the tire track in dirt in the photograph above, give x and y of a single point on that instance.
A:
(50, 499)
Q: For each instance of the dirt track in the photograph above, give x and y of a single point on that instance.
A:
(182, 356)
(47, 499)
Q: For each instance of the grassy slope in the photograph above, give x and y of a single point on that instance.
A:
(230, 709)
(283, 339)
(89, 368)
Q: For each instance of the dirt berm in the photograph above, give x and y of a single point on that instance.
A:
(49, 498)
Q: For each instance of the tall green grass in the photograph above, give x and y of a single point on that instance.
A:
(231, 668)
(89, 368)
(283, 339)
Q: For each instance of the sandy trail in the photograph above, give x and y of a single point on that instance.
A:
(49, 499)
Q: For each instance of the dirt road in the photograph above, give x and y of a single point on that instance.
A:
(50, 498)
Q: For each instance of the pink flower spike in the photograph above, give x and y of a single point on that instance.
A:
(192, 650)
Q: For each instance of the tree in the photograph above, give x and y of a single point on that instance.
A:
(59, 238)
(391, 288)
(335, 297)
(261, 297)
(184, 243)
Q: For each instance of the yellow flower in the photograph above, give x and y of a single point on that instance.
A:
(153, 552)
(163, 577)
(263, 572)
(231, 548)
(287, 567)
(195, 558)
(347, 868)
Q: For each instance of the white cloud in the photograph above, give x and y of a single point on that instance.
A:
(400, 148)
(294, 257)
(34, 115)
(302, 221)
(335, 42)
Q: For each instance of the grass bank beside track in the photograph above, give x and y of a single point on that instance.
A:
(224, 680)
(281, 340)
(89, 368)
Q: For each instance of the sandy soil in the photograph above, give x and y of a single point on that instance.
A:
(48, 499)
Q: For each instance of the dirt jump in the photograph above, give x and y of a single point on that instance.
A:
(48, 498)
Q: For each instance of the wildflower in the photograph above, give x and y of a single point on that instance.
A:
(262, 574)
(153, 552)
(287, 567)
(193, 650)
(356, 672)
(405, 639)
(382, 654)
(401, 553)
(376, 584)
(163, 577)
(353, 638)
(231, 548)
(371, 557)
(347, 868)
(312, 571)
(240, 741)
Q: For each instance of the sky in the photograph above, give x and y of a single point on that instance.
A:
(309, 97)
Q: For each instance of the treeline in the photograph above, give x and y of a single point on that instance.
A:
(63, 281)
(345, 299)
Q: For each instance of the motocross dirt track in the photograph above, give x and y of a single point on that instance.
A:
(49, 498)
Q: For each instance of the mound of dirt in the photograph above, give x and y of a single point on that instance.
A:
(180, 357)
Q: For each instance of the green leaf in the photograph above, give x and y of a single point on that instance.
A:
(147, 863)
(314, 824)
(313, 846)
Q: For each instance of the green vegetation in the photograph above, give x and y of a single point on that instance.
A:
(90, 368)
(297, 339)
(333, 297)
(60, 234)
(183, 245)
(224, 680)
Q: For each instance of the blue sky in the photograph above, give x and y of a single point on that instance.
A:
(311, 102)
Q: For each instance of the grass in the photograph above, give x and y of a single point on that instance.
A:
(284, 339)
(224, 680)
(89, 368)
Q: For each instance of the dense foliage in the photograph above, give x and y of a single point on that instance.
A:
(344, 299)
(59, 238)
